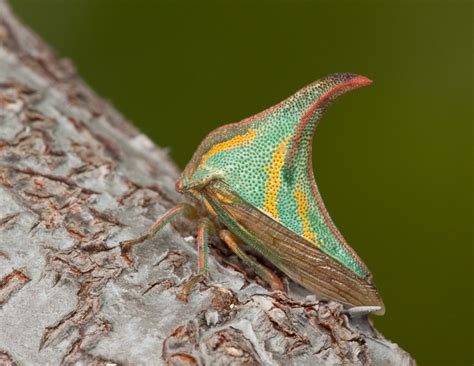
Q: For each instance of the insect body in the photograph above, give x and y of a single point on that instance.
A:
(255, 181)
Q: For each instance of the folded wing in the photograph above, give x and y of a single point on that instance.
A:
(294, 255)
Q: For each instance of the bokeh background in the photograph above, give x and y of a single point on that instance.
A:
(393, 161)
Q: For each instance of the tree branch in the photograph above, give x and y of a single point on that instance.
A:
(76, 179)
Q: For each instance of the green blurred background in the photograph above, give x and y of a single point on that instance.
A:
(393, 161)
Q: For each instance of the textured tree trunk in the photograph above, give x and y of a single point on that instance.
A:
(75, 180)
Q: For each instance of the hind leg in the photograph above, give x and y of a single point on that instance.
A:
(265, 273)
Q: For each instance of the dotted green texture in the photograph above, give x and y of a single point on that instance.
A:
(243, 166)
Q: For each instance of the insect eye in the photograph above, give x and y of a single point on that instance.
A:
(179, 186)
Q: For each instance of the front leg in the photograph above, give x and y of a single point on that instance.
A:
(181, 209)
(204, 227)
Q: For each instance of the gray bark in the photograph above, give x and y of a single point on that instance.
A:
(76, 179)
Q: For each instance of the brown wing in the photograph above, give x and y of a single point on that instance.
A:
(298, 258)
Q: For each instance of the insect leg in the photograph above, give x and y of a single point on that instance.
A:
(265, 273)
(204, 227)
(181, 209)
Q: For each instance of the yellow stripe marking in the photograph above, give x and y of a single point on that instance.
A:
(272, 185)
(228, 145)
(302, 210)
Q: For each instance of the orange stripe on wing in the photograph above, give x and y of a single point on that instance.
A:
(302, 210)
(228, 145)
(273, 183)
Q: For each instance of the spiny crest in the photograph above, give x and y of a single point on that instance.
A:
(266, 160)
(294, 119)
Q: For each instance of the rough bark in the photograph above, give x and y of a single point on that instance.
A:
(75, 180)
